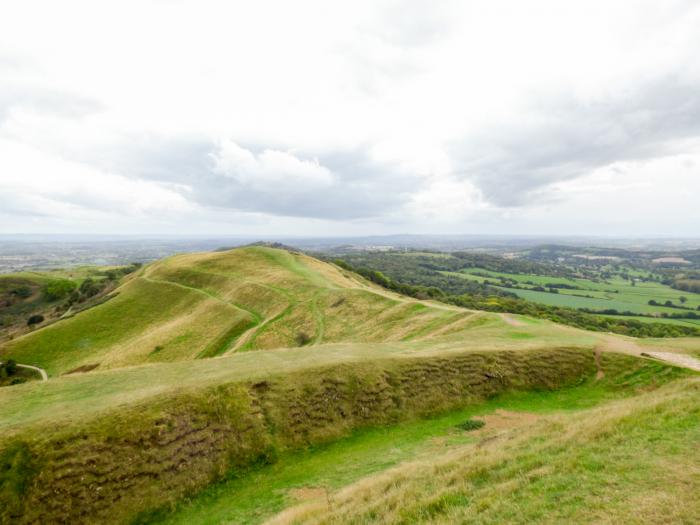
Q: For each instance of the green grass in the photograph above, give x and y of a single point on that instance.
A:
(254, 496)
(616, 293)
(155, 401)
(211, 304)
(256, 298)
(634, 460)
(82, 396)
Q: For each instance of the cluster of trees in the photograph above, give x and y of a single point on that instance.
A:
(687, 284)
(664, 315)
(670, 304)
(513, 304)
(419, 271)
(58, 289)
(67, 292)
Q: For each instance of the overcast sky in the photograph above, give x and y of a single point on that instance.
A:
(344, 118)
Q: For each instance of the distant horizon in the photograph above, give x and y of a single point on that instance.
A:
(355, 236)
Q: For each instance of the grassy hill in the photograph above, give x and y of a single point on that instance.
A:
(48, 296)
(205, 305)
(634, 460)
(214, 367)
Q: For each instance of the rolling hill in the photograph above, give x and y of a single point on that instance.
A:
(212, 304)
(203, 369)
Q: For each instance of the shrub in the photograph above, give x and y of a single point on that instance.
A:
(23, 291)
(11, 367)
(35, 319)
(471, 424)
(90, 288)
(303, 338)
(58, 289)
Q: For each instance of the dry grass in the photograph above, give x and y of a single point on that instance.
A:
(256, 298)
(634, 461)
(146, 454)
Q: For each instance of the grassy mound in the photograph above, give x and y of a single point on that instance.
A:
(112, 464)
(635, 460)
(206, 305)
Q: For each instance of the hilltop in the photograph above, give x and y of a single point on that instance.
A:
(212, 304)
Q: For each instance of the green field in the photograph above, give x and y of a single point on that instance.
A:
(615, 293)
(629, 461)
(206, 305)
(321, 471)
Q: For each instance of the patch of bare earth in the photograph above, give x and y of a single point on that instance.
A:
(82, 369)
(676, 359)
(512, 321)
(302, 494)
(506, 420)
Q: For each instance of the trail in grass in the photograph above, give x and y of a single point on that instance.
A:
(256, 495)
(254, 315)
(40, 371)
(685, 361)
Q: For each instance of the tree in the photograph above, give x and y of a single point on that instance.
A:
(683, 299)
(58, 289)
(11, 367)
(303, 338)
(90, 288)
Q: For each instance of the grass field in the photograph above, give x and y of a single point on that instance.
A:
(615, 293)
(635, 460)
(207, 305)
(317, 473)
(202, 376)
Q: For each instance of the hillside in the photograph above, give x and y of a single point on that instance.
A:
(609, 296)
(629, 461)
(211, 304)
(203, 378)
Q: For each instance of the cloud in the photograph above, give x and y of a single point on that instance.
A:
(337, 185)
(340, 184)
(270, 169)
(563, 138)
(377, 115)
(34, 183)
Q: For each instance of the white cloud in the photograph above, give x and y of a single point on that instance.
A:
(36, 183)
(362, 117)
(270, 170)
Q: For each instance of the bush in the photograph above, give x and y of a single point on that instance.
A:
(303, 338)
(23, 291)
(471, 424)
(58, 289)
(90, 288)
(35, 319)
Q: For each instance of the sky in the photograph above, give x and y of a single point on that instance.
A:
(322, 118)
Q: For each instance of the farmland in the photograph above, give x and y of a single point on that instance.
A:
(613, 293)
(616, 291)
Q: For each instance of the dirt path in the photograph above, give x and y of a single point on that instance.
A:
(683, 360)
(41, 371)
(624, 345)
(512, 321)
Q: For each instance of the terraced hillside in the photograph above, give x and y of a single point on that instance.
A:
(212, 368)
(204, 305)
